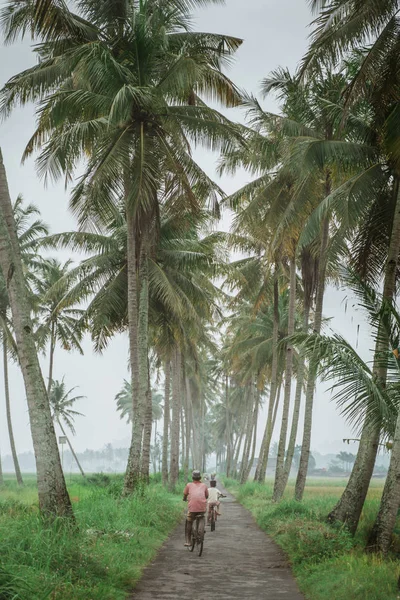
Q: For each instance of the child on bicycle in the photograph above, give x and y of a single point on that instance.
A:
(213, 499)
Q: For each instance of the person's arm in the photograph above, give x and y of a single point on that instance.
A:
(185, 494)
(206, 492)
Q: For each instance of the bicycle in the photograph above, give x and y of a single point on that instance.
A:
(213, 515)
(197, 534)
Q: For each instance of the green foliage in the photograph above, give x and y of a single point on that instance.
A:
(100, 559)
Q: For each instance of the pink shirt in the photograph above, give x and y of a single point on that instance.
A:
(197, 494)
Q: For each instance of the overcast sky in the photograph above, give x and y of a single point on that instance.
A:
(275, 34)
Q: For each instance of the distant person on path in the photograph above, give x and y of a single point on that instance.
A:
(213, 476)
(213, 499)
(196, 494)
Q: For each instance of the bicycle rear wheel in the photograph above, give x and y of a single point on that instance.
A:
(200, 535)
(194, 535)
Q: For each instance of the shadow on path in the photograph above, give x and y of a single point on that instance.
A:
(239, 561)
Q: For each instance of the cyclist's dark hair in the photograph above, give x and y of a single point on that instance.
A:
(213, 483)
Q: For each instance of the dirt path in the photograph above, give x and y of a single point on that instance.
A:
(239, 561)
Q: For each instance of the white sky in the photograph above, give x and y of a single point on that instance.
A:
(275, 34)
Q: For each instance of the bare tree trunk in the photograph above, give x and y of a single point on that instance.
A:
(52, 491)
(349, 508)
(70, 447)
(254, 426)
(8, 413)
(1, 474)
(133, 467)
(188, 404)
(51, 357)
(279, 485)
(228, 429)
(167, 371)
(312, 375)
(148, 424)
(248, 440)
(237, 454)
(297, 402)
(264, 452)
(174, 462)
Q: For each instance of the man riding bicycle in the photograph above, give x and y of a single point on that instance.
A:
(196, 494)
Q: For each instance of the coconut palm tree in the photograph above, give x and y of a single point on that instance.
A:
(30, 228)
(52, 491)
(61, 405)
(60, 319)
(143, 100)
(375, 78)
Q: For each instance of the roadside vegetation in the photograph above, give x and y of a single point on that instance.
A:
(100, 557)
(327, 561)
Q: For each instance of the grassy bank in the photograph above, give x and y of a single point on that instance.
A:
(328, 563)
(100, 560)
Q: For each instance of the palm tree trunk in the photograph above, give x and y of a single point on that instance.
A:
(52, 491)
(297, 402)
(350, 505)
(228, 429)
(70, 447)
(188, 404)
(51, 357)
(264, 452)
(133, 467)
(279, 484)
(148, 424)
(8, 413)
(237, 454)
(174, 461)
(254, 425)
(248, 440)
(312, 376)
(1, 474)
(167, 373)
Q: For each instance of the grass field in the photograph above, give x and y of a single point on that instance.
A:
(328, 563)
(100, 559)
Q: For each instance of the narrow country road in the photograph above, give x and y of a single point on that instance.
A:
(239, 561)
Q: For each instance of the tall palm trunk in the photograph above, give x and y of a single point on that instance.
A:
(248, 439)
(133, 466)
(51, 357)
(253, 447)
(52, 491)
(237, 454)
(167, 373)
(188, 403)
(147, 425)
(228, 430)
(312, 375)
(70, 447)
(350, 505)
(145, 408)
(297, 402)
(264, 452)
(279, 485)
(174, 461)
(8, 413)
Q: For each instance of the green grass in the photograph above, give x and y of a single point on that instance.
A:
(101, 559)
(328, 563)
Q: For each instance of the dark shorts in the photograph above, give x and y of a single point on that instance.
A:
(192, 515)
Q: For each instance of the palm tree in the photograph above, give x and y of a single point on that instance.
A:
(143, 101)
(375, 79)
(60, 320)
(52, 491)
(61, 405)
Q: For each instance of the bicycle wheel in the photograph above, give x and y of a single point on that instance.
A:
(213, 521)
(194, 535)
(200, 535)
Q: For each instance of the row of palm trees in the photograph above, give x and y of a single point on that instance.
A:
(123, 88)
